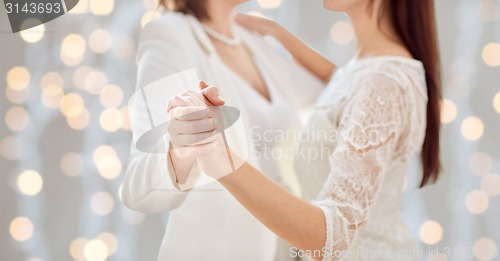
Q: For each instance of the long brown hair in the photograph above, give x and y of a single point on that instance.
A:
(415, 23)
(198, 8)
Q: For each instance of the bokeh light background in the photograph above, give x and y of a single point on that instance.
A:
(64, 131)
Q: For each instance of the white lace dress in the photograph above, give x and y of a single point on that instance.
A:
(353, 157)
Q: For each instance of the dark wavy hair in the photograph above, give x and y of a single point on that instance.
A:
(415, 23)
(198, 8)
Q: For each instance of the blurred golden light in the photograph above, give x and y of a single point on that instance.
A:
(109, 167)
(17, 118)
(491, 54)
(125, 110)
(100, 41)
(95, 250)
(472, 128)
(102, 203)
(342, 32)
(132, 217)
(33, 34)
(72, 164)
(81, 8)
(485, 249)
(72, 105)
(72, 49)
(95, 81)
(79, 76)
(111, 96)
(101, 152)
(52, 78)
(18, 78)
(102, 7)
(496, 102)
(111, 120)
(431, 232)
(477, 201)
(76, 248)
(123, 47)
(21, 228)
(148, 17)
(448, 111)
(15, 96)
(480, 163)
(150, 5)
(10, 148)
(491, 184)
(80, 121)
(52, 96)
(110, 240)
(29, 183)
(269, 4)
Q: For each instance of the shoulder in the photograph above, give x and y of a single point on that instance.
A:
(388, 72)
(172, 26)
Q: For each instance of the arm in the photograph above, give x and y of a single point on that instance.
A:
(147, 186)
(369, 130)
(305, 55)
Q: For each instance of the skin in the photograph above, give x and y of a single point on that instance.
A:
(237, 58)
(295, 220)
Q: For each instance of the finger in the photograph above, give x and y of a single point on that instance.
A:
(239, 17)
(203, 85)
(189, 113)
(191, 127)
(181, 101)
(183, 140)
(212, 95)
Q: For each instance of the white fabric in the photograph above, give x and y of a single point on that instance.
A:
(208, 222)
(373, 113)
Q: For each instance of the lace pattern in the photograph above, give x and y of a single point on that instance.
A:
(381, 121)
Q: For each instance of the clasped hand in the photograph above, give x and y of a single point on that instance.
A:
(195, 128)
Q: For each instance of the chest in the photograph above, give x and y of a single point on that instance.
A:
(241, 62)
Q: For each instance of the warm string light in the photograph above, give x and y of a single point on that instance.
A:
(430, 232)
(342, 32)
(70, 99)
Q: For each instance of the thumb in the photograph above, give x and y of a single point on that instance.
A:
(202, 85)
(212, 96)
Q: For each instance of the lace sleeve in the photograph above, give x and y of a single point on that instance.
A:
(369, 129)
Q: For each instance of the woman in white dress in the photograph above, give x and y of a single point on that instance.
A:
(253, 78)
(378, 111)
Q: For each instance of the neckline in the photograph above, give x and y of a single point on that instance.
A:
(247, 85)
(399, 58)
(212, 52)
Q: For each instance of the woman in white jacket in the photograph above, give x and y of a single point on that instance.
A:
(207, 223)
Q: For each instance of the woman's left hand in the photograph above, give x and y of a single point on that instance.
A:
(260, 25)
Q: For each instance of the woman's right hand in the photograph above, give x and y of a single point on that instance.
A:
(260, 25)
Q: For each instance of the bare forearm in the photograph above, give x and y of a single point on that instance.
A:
(298, 222)
(305, 55)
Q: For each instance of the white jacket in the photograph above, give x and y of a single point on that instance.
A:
(204, 224)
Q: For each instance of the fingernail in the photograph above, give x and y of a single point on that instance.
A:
(220, 98)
